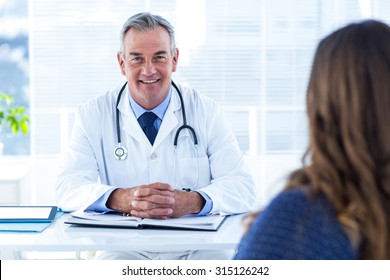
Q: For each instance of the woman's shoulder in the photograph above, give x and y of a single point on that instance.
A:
(296, 225)
(304, 208)
(295, 196)
(298, 201)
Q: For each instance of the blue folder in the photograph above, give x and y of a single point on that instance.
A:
(26, 227)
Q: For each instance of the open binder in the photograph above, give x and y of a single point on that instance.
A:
(191, 222)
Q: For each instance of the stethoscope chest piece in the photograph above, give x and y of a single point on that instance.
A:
(120, 152)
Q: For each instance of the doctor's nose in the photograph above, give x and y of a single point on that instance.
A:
(148, 68)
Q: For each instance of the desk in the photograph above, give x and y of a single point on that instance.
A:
(63, 237)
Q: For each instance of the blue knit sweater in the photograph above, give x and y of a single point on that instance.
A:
(294, 226)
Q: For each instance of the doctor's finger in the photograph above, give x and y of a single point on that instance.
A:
(147, 205)
(150, 191)
(161, 186)
(157, 199)
(158, 213)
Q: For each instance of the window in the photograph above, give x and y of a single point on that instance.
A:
(14, 67)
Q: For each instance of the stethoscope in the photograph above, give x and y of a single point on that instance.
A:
(120, 152)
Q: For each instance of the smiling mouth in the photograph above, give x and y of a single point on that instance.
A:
(149, 81)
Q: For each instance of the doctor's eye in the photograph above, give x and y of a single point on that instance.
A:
(136, 60)
(160, 58)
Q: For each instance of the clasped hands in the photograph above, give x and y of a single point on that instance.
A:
(157, 200)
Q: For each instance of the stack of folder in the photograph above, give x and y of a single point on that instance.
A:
(27, 218)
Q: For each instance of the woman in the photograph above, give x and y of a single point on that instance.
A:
(337, 205)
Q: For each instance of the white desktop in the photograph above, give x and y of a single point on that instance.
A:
(68, 238)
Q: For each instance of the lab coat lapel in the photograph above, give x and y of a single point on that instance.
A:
(170, 120)
(130, 124)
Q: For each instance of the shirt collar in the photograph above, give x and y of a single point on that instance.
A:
(160, 110)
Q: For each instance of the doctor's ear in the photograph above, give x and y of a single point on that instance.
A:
(175, 60)
(121, 63)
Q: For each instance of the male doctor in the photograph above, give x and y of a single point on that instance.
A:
(153, 180)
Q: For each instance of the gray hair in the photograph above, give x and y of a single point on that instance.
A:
(143, 22)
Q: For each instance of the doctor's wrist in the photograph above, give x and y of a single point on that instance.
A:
(119, 200)
(197, 203)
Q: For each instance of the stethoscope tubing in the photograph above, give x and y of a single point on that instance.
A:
(120, 151)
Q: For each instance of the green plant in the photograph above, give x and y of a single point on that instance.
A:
(14, 116)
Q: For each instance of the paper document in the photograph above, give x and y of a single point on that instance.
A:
(118, 220)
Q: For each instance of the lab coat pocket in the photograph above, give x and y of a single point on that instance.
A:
(193, 173)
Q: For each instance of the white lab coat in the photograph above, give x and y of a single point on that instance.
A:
(90, 168)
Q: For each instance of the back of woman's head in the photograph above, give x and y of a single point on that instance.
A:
(349, 91)
(348, 104)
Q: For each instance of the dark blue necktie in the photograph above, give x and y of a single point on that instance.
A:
(146, 121)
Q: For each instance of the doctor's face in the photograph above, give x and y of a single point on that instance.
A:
(148, 65)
